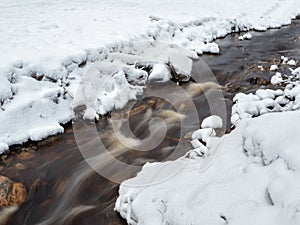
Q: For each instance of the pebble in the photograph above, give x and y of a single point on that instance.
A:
(25, 155)
(20, 166)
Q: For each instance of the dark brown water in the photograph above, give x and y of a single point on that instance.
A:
(62, 187)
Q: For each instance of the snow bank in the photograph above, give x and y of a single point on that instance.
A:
(226, 186)
(34, 110)
(250, 176)
(275, 138)
(49, 45)
(39, 33)
(3, 147)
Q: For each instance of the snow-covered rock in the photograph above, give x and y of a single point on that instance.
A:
(296, 72)
(210, 48)
(160, 72)
(284, 59)
(273, 67)
(203, 134)
(277, 78)
(247, 36)
(213, 121)
(292, 62)
(264, 101)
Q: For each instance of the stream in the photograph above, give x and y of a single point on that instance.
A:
(64, 189)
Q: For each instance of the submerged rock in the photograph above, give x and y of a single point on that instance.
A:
(11, 193)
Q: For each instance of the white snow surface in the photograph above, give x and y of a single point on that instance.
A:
(33, 30)
(48, 45)
(34, 110)
(212, 122)
(247, 36)
(273, 67)
(292, 62)
(112, 82)
(277, 78)
(250, 176)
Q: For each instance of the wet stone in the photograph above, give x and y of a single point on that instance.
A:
(25, 155)
(11, 193)
(20, 166)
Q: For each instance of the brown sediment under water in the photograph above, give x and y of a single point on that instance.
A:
(63, 189)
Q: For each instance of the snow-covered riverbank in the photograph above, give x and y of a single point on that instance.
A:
(250, 176)
(48, 46)
(261, 187)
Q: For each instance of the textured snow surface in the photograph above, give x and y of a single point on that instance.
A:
(112, 82)
(252, 171)
(33, 30)
(212, 122)
(33, 110)
(48, 45)
(250, 176)
(265, 100)
(246, 36)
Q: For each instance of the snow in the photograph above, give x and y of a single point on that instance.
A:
(38, 134)
(273, 67)
(34, 30)
(34, 106)
(267, 100)
(201, 138)
(270, 141)
(203, 134)
(277, 78)
(209, 48)
(254, 170)
(292, 62)
(247, 36)
(196, 143)
(260, 67)
(3, 147)
(296, 72)
(284, 59)
(48, 62)
(160, 72)
(50, 45)
(115, 94)
(228, 183)
(109, 84)
(213, 121)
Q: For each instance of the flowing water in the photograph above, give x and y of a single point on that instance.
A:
(62, 187)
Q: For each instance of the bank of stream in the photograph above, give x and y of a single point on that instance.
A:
(49, 168)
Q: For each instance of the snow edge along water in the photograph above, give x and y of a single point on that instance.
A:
(37, 98)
